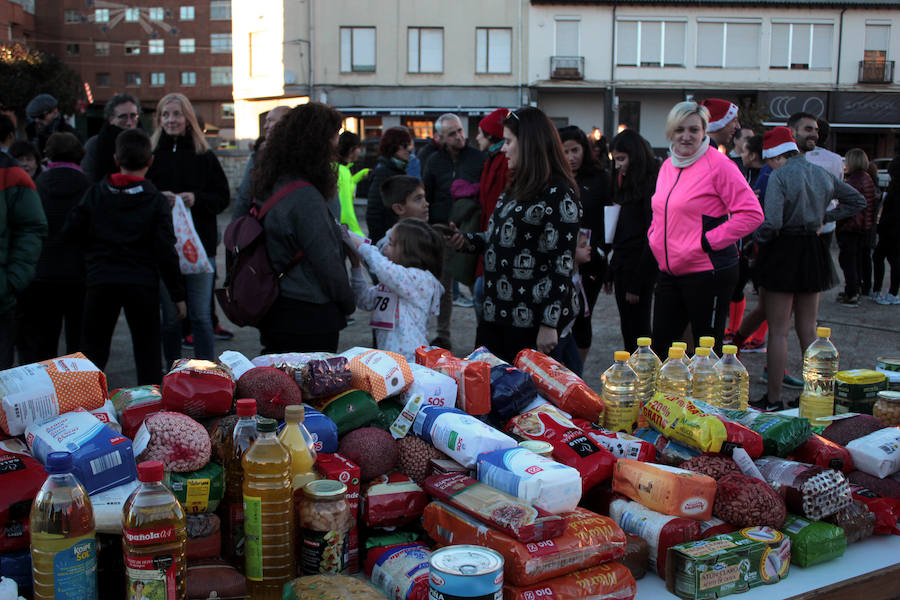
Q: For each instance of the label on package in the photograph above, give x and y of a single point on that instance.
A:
(253, 537)
(151, 577)
(400, 426)
(237, 362)
(28, 396)
(75, 571)
(324, 552)
(399, 569)
(197, 495)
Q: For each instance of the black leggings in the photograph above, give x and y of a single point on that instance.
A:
(700, 299)
(634, 319)
(887, 249)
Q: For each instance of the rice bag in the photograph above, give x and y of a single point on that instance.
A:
(781, 434)
(106, 414)
(877, 453)
(379, 372)
(392, 501)
(571, 445)
(886, 510)
(668, 452)
(561, 386)
(588, 540)
(33, 393)
(400, 571)
(661, 531)
(21, 477)
(497, 509)
(535, 479)
(809, 490)
(458, 435)
(511, 391)
(748, 502)
(198, 388)
(349, 410)
(322, 430)
(108, 507)
(437, 389)
(857, 521)
(813, 542)
(612, 581)
(199, 491)
(473, 382)
(845, 430)
(180, 442)
(622, 445)
(665, 489)
(136, 404)
(825, 453)
(102, 459)
(688, 422)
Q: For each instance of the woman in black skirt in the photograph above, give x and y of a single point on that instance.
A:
(794, 264)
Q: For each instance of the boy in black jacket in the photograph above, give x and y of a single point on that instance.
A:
(125, 226)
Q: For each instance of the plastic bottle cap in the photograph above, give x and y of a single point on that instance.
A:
(823, 332)
(682, 345)
(707, 341)
(676, 352)
(246, 407)
(729, 349)
(294, 412)
(622, 355)
(266, 425)
(59, 462)
(644, 341)
(703, 351)
(150, 471)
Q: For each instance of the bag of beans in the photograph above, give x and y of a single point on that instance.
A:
(887, 486)
(204, 536)
(181, 443)
(637, 554)
(845, 430)
(857, 521)
(612, 580)
(198, 388)
(319, 374)
(712, 465)
(748, 502)
(561, 386)
(886, 510)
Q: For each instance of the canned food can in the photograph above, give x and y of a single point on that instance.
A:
(538, 447)
(466, 572)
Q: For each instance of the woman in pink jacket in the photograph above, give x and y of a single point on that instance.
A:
(701, 208)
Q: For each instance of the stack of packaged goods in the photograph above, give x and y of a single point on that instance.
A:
(362, 475)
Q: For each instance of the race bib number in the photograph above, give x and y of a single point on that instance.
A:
(386, 311)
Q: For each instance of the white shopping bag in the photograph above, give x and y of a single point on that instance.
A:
(610, 220)
(192, 257)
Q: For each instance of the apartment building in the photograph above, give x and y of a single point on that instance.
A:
(147, 48)
(17, 21)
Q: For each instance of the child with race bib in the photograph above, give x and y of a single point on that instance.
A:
(408, 293)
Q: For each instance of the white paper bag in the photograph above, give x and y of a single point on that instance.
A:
(610, 220)
(192, 257)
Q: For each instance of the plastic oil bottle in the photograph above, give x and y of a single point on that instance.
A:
(704, 377)
(645, 364)
(268, 515)
(674, 377)
(620, 395)
(154, 538)
(296, 438)
(684, 357)
(708, 341)
(241, 439)
(820, 365)
(63, 546)
(734, 381)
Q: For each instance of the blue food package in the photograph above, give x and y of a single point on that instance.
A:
(511, 391)
(667, 451)
(322, 429)
(102, 459)
(17, 566)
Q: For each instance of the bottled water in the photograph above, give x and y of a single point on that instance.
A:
(674, 377)
(704, 377)
(820, 364)
(734, 381)
(620, 395)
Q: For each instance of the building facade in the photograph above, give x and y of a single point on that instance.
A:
(17, 21)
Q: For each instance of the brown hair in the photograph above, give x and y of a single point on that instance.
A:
(541, 156)
(856, 160)
(396, 189)
(418, 245)
(63, 146)
(193, 126)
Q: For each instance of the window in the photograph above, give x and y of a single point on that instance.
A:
(878, 39)
(156, 13)
(72, 16)
(101, 15)
(493, 50)
(157, 79)
(102, 79)
(220, 43)
(568, 36)
(731, 45)
(188, 78)
(357, 49)
(228, 111)
(220, 10)
(801, 45)
(72, 50)
(132, 15)
(186, 45)
(187, 13)
(101, 49)
(132, 79)
(132, 47)
(157, 46)
(220, 76)
(426, 49)
(650, 43)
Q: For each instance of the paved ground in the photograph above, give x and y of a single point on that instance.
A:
(860, 334)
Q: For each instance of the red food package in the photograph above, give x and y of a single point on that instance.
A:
(571, 445)
(661, 531)
(561, 386)
(334, 466)
(473, 382)
(610, 581)
(204, 536)
(214, 578)
(744, 437)
(821, 451)
(714, 526)
(21, 477)
(428, 355)
(198, 388)
(886, 510)
(400, 570)
(135, 405)
(392, 500)
(589, 539)
(15, 535)
(622, 445)
(520, 519)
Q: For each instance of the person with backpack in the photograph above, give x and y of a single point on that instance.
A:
(302, 238)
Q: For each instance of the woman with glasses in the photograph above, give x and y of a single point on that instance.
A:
(123, 111)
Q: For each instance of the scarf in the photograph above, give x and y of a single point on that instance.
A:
(399, 163)
(682, 162)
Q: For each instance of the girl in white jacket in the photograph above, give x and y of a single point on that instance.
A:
(409, 291)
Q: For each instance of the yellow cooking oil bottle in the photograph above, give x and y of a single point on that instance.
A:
(684, 357)
(704, 377)
(734, 381)
(645, 364)
(63, 546)
(268, 514)
(242, 437)
(674, 377)
(619, 392)
(820, 365)
(708, 341)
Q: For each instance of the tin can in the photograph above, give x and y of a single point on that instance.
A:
(466, 572)
(538, 447)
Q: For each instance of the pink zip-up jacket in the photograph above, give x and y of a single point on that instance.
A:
(699, 213)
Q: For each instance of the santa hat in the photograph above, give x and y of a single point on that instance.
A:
(493, 123)
(721, 112)
(778, 141)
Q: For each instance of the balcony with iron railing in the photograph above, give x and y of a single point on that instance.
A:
(566, 67)
(876, 71)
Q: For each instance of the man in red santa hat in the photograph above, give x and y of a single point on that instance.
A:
(723, 121)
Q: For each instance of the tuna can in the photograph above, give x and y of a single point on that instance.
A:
(466, 572)
(538, 447)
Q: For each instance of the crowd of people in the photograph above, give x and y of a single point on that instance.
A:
(536, 221)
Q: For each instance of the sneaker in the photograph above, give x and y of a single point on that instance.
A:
(463, 302)
(849, 301)
(791, 382)
(187, 342)
(220, 333)
(753, 345)
(728, 337)
(887, 299)
(763, 404)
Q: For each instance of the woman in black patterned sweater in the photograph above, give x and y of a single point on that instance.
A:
(529, 245)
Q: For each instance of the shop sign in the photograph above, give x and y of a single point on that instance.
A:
(781, 105)
(866, 107)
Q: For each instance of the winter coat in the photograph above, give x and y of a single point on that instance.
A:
(346, 191)
(864, 220)
(378, 217)
(441, 171)
(61, 189)
(631, 252)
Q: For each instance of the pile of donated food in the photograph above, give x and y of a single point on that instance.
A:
(450, 451)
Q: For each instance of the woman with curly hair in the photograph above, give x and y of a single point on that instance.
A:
(394, 149)
(303, 239)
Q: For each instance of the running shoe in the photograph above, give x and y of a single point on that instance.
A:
(220, 333)
(753, 345)
(728, 336)
(887, 299)
(463, 302)
(791, 382)
(849, 301)
(187, 342)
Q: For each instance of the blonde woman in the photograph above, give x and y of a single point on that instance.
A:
(183, 165)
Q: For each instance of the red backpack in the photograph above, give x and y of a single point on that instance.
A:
(251, 284)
